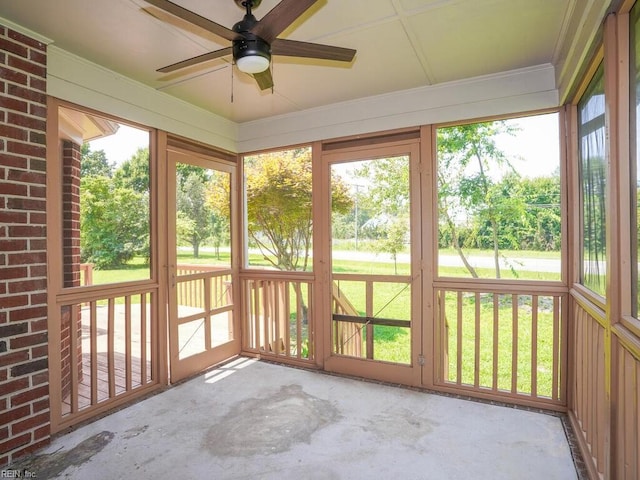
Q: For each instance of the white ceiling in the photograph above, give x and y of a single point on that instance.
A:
(401, 44)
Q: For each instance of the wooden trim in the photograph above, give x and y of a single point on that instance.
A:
(428, 245)
(628, 340)
(487, 285)
(54, 261)
(178, 143)
(295, 146)
(489, 395)
(262, 274)
(596, 311)
(371, 140)
(104, 407)
(626, 6)
(565, 155)
(321, 251)
(405, 147)
(589, 72)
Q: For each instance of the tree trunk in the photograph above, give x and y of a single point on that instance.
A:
(496, 250)
(456, 245)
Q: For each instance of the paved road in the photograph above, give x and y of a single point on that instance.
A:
(523, 264)
(527, 264)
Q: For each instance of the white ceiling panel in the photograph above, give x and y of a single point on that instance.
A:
(401, 44)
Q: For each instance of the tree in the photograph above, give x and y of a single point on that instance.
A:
(115, 222)
(193, 214)
(468, 161)
(219, 200)
(94, 163)
(133, 173)
(543, 217)
(395, 238)
(279, 206)
(387, 198)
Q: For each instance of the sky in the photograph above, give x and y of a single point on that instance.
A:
(122, 145)
(538, 155)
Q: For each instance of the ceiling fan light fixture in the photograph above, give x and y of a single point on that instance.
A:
(252, 55)
(252, 64)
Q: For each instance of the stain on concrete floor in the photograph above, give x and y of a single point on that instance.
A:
(402, 425)
(275, 423)
(53, 464)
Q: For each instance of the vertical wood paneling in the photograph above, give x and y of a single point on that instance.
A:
(590, 400)
(628, 415)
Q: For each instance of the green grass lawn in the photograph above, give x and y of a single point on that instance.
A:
(505, 344)
(393, 300)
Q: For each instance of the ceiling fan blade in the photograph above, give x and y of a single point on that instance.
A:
(193, 18)
(280, 17)
(293, 48)
(195, 60)
(264, 79)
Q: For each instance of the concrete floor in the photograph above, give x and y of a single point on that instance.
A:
(255, 420)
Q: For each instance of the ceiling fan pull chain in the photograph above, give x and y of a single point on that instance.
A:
(232, 64)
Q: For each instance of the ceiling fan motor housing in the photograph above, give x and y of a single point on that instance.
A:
(247, 44)
(250, 45)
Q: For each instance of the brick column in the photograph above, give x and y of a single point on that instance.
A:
(24, 375)
(71, 164)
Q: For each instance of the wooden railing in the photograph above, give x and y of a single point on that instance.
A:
(589, 400)
(277, 309)
(107, 352)
(384, 302)
(86, 273)
(347, 336)
(502, 342)
(195, 282)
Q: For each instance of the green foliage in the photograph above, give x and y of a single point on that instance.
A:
(386, 200)
(134, 172)
(94, 163)
(484, 203)
(219, 202)
(279, 206)
(115, 223)
(194, 216)
(388, 181)
(114, 209)
(395, 238)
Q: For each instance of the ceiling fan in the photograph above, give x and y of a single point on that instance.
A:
(253, 41)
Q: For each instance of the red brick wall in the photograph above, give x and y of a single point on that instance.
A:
(24, 376)
(71, 160)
